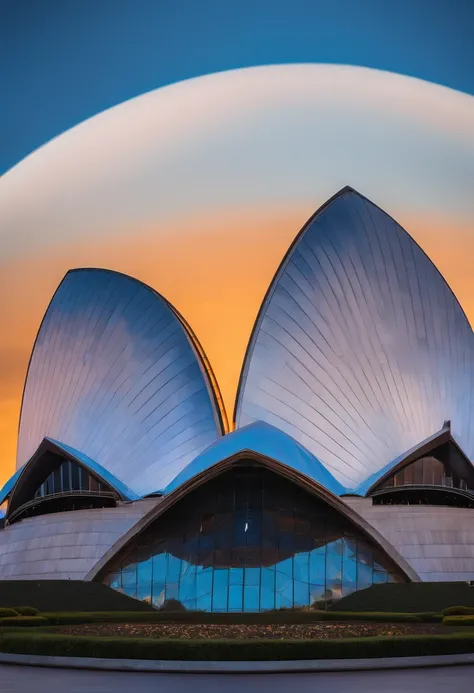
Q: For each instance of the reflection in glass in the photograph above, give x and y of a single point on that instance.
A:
(249, 540)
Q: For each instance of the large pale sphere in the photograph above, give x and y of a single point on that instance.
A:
(199, 188)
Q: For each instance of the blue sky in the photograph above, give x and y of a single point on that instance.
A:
(62, 61)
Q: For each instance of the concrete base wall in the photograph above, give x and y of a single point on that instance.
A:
(437, 542)
(67, 545)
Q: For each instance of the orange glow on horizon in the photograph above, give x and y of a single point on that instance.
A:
(215, 269)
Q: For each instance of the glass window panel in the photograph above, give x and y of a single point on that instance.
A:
(349, 567)
(418, 472)
(144, 580)
(188, 585)
(220, 590)
(427, 471)
(236, 576)
(85, 484)
(267, 590)
(301, 567)
(408, 472)
(282, 601)
(251, 598)
(160, 563)
(66, 476)
(301, 593)
(173, 571)
(317, 566)
(204, 601)
(333, 590)
(173, 568)
(317, 595)
(49, 487)
(380, 576)
(75, 481)
(235, 597)
(116, 582)
(284, 579)
(129, 579)
(252, 576)
(204, 580)
(334, 559)
(253, 529)
(57, 480)
(438, 472)
(94, 484)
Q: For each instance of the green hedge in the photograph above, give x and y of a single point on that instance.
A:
(231, 650)
(454, 620)
(67, 595)
(264, 618)
(8, 612)
(429, 617)
(459, 611)
(20, 621)
(369, 616)
(26, 610)
(72, 618)
(408, 597)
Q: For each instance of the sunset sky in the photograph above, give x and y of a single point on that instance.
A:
(198, 188)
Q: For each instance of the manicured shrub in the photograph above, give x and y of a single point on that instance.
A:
(369, 616)
(8, 612)
(21, 621)
(407, 597)
(72, 618)
(458, 611)
(67, 595)
(26, 610)
(231, 650)
(456, 620)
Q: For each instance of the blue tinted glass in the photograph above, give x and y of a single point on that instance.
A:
(251, 599)
(220, 589)
(213, 558)
(235, 598)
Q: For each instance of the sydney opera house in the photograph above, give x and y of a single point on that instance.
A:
(348, 461)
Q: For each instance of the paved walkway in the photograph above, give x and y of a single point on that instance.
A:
(14, 679)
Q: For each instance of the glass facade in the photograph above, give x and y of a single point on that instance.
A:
(249, 540)
(69, 486)
(69, 477)
(427, 471)
(427, 481)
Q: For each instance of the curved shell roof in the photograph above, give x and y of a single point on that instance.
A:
(265, 440)
(360, 350)
(116, 375)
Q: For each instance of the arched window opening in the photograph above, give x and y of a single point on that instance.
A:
(67, 486)
(444, 477)
(249, 540)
